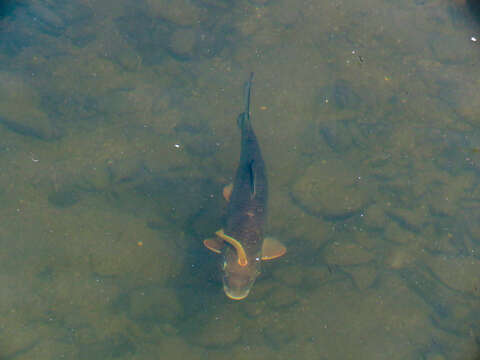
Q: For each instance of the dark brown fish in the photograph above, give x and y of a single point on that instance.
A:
(241, 242)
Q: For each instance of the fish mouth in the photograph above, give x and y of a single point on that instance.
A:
(236, 294)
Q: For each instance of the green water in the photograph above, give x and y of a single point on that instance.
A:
(118, 133)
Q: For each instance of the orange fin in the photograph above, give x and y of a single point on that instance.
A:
(227, 191)
(214, 244)
(272, 249)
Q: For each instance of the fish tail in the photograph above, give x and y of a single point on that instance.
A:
(243, 119)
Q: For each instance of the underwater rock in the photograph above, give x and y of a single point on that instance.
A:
(445, 197)
(280, 332)
(78, 293)
(347, 253)
(117, 345)
(153, 304)
(170, 29)
(401, 257)
(449, 310)
(146, 35)
(179, 12)
(195, 42)
(341, 135)
(133, 250)
(42, 12)
(283, 13)
(17, 298)
(331, 189)
(338, 106)
(411, 219)
(202, 146)
(255, 309)
(459, 273)
(176, 347)
(64, 198)
(223, 329)
(344, 96)
(182, 43)
(291, 275)
(363, 275)
(117, 102)
(20, 109)
(375, 217)
(291, 222)
(283, 296)
(398, 234)
(451, 48)
(254, 352)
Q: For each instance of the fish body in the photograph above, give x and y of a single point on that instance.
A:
(241, 242)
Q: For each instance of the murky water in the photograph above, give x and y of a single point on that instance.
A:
(118, 133)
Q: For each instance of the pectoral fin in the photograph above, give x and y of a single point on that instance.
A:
(272, 249)
(214, 244)
(227, 191)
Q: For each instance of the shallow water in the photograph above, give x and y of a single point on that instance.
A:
(118, 133)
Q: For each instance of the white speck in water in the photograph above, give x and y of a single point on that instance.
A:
(473, 38)
(177, 146)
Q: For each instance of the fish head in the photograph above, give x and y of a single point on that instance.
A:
(238, 279)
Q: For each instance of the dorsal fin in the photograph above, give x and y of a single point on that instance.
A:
(251, 170)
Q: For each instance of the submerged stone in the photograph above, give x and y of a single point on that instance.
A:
(183, 12)
(64, 198)
(182, 43)
(222, 329)
(20, 109)
(331, 189)
(459, 273)
(345, 254)
(364, 275)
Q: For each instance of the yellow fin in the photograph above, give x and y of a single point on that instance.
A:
(272, 249)
(242, 256)
(214, 244)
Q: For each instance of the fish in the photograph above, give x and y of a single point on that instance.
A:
(241, 241)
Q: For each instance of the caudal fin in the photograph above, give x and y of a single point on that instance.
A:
(243, 118)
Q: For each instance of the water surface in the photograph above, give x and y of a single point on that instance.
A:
(118, 133)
